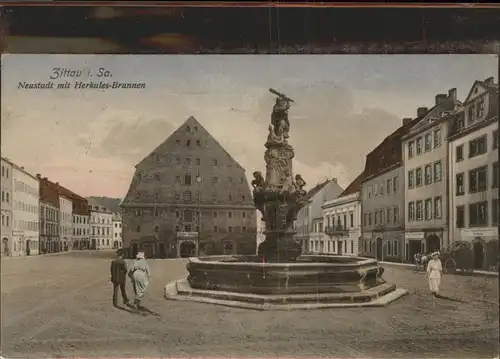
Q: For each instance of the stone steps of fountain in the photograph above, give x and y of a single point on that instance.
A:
(375, 296)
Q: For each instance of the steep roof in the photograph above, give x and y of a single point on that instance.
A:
(113, 204)
(54, 190)
(48, 194)
(354, 186)
(487, 84)
(313, 191)
(388, 153)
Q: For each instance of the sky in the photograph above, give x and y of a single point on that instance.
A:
(345, 105)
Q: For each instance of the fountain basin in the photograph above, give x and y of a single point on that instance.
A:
(313, 281)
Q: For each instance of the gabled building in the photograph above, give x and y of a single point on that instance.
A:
(382, 196)
(342, 219)
(473, 167)
(101, 226)
(49, 216)
(117, 231)
(189, 197)
(309, 225)
(7, 219)
(426, 186)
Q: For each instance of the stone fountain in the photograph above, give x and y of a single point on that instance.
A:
(279, 277)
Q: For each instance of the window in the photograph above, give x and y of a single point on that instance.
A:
(381, 191)
(389, 215)
(480, 108)
(188, 129)
(459, 153)
(186, 196)
(478, 146)
(178, 179)
(188, 215)
(157, 158)
(365, 219)
(419, 145)
(418, 210)
(428, 174)
(187, 179)
(437, 171)
(460, 184)
(215, 180)
(411, 182)
(157, 229)
(438, 202)
(157, 177)
(437, 137)
(198, 143)
(375, 190)
(494, 211)
(411, 145)
(230, 179)
(137, 229)
(137, 195)
(229, 214)
(243, 214)
(382, 219)
(369, 219)
(389, 248)
(494, 175)
(198, 161)
(478, 178)
(178, 142)
(395, 248)
(478, 214)
(177, 196)
(495, 139)
(351, 219)
(187, 161)
(395, 184)
(230, 229)
(418, 177)
(389, 185)
(188, 143)
(396, 214)
(470, 113)
(428, 142)
(215, 229)
(411, 211)
(428, 208)
(214, 162)
(375, 218)
(178, 160)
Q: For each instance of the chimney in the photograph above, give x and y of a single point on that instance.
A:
(38, 176)
(407, 120)
(440, 98)
(45, 178)
(452, 94)
(22, 167)
(334, 179)
(421, 111)
(489, 80)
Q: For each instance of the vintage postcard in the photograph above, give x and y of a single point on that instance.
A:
(249, 206)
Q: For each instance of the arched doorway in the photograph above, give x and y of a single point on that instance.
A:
(379, 252)
(187, 249)
(5, 246)
(433, 243)
(478, 250)
(228, 248)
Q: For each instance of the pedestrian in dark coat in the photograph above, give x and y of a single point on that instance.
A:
(118, 278)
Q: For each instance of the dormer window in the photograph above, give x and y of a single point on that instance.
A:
(188, 129)
(195, 128)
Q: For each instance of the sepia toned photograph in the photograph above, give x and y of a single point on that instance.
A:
(249, 206)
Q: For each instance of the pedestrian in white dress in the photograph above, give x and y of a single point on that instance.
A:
(434, 271)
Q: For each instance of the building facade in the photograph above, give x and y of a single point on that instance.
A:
(382, 197)
(80, 223)
(49, 216)
(117, 231)
(308, 225)
(342, 221)
(65, 221)
(25, 212)
(101, 227)
(189, 197)
(7, 184)
(426, 186)
(473, 168)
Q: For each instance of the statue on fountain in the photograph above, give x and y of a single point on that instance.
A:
(280, 195)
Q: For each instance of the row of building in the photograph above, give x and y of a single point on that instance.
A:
(40, 216)
(427, 186)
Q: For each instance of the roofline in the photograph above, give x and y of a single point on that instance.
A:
(352, 197)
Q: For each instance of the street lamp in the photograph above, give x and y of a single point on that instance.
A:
(198, 181)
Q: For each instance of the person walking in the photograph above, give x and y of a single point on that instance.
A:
(140, 274)
(118, 278)
(434, 272)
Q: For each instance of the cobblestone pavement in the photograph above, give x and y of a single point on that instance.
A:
(60, 306)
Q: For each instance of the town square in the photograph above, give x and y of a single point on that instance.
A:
(207, 214)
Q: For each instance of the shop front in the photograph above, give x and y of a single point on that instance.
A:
(414, 244)
(483, 247)
(187, 244)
